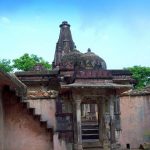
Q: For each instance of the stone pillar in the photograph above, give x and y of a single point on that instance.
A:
(103, 125)
(117, 118)
(112, 107)
(112, 121)
(77, 126)
(100, 119)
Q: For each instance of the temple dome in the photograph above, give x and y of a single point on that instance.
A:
(70, 60)
(90, 60)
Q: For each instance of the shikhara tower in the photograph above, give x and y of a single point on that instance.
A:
(65, 43)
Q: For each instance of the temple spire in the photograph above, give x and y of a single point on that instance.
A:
(65, 43)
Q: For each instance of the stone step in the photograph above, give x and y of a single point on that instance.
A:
(89, 126)
(93, 149)
(43, 124)
(91, 144)
(31, 111)
(90, 131)
(25, 105)
(90, 136)
(37, 117)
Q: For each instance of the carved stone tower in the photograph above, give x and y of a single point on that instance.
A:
(65, 43)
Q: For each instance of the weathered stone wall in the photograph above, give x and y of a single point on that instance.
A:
(45, 108)
(22, 131)
(135, 120)
(1, 123)
(43, 101)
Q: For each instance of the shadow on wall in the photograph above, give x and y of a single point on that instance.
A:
(1, 123)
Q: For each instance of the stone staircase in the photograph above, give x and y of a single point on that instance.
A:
(90, 131)
(34, 108)
(90, 136)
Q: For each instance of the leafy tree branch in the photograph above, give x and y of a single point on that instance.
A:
(141, 75)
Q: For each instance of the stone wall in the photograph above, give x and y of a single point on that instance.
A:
(22, 131)
(1, 123)
(43, 101)
(135, 120)
(45, 108)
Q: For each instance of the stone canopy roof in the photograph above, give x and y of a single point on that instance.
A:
(100, 85)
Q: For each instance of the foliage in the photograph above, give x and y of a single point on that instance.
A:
(141, 75)
(5, 65)
(27, 62)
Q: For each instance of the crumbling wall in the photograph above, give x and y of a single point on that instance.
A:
(135, 120)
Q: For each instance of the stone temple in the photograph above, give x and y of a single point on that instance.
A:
(88, 101)
(75, 106)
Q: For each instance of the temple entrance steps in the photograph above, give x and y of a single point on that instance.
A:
(90, 136)
(90, 131)
(92, 145)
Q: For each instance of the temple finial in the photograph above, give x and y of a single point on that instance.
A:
(89, 50)
(64, 24)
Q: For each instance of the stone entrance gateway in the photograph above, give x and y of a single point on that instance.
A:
(96, 115)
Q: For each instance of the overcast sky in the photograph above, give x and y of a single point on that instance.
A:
(116, 30)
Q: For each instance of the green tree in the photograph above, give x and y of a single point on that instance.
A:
(5, 65)
(141, 75)
(27, 62)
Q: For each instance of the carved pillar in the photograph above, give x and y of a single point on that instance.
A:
(100, 119)
(117, 117)
(77, 125)
(112, 120)
(103, 125)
